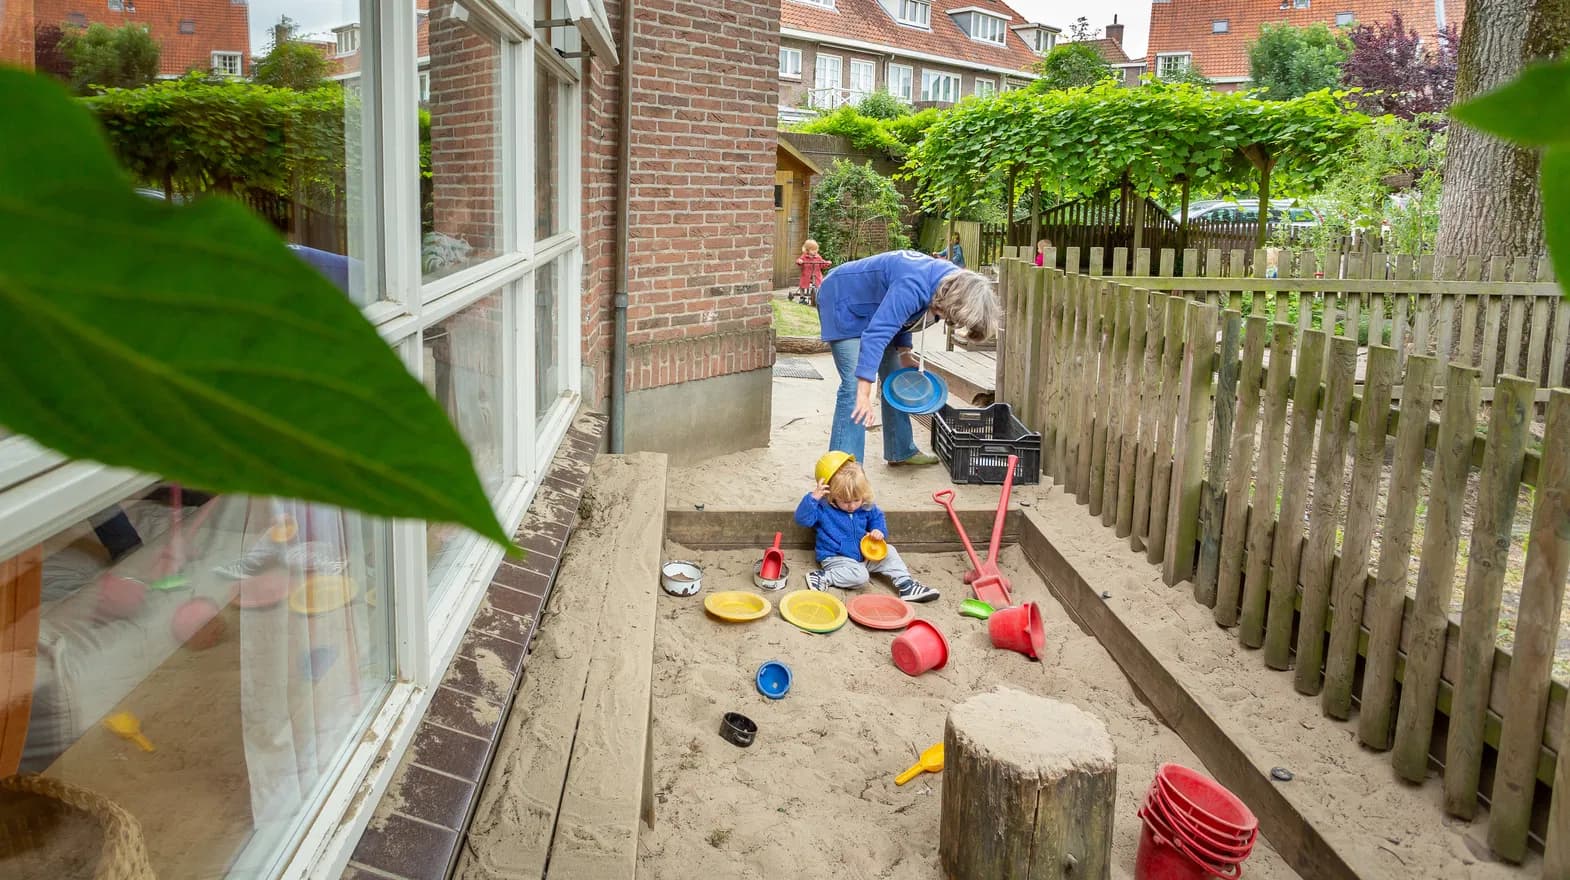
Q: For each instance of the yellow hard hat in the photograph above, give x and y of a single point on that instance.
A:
(830, 464)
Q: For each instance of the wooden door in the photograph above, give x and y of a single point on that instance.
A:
(785, 229)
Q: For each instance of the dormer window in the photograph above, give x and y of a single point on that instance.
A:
(981, 26)
(349, 40)
(917, 13)
(1046, 41)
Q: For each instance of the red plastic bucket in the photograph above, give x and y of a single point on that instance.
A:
(1214, 845)
(1160, 857)
(1205, 800)
(1019, 629)
(919, 648)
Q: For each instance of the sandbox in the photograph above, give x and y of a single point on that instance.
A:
(814, 796)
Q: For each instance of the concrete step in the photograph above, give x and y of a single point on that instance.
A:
(570, 783)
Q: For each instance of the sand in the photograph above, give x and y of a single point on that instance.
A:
(815, 795)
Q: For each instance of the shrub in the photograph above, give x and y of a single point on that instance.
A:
(102, 56)
(849, 207)
(882, 105)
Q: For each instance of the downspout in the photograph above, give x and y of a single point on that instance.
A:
(618, 419)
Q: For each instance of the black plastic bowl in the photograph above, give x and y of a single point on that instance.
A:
(738, 729)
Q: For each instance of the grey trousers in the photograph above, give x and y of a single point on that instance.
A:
(849, 574)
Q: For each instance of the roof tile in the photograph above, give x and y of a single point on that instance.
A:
(868, 21)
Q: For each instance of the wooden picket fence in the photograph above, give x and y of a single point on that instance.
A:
(1220, 445)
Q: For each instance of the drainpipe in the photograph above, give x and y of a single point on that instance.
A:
(618, 420)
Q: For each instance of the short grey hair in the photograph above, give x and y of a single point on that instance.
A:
(969, 304)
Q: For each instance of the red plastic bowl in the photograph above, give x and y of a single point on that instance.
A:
(880, 611)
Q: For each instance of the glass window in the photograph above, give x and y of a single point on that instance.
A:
(205, 662)
(987, 28)
(790, 62)
(461, 222)
(187, 25)
(549, 106)
(863, 76)
(1172, 65)
(985, 88)
(827, 4)
(464, 372)
(226, 63)
(939, 86)
(826, 72)
(1300, 4)
(549, 379)
(915, 12)
(900, 82)
(1345, 19)
(1220, 26)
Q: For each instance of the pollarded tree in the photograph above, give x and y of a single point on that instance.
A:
(290, 63)
(1070, 66)
(1396, 73)
(1289, 62)
(849, 205)
(123, 57)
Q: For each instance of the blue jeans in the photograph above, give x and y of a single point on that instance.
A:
(847, 436)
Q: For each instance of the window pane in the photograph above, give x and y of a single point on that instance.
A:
(461, 136)
(548, 107)
(548, 375)
(463, 370)
(247, 641)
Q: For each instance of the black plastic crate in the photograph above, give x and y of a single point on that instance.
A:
(975, 445)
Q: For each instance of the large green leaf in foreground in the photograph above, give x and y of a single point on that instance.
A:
(189, 342)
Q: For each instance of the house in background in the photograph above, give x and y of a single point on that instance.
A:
(1110, 47)
(924, 52)
(205, 35)
(1214, 35)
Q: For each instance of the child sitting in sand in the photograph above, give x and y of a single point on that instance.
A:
(840, 508)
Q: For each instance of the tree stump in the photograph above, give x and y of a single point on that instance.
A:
(1029, 788)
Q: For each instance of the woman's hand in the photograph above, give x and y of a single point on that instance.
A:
(877, 534)
(863, 410)
(907, 358)
(820, 490)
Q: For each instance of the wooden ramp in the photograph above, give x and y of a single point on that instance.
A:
(572, 775)
(968, 373)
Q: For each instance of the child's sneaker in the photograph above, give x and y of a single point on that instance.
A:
(911, 591)
(818, 580)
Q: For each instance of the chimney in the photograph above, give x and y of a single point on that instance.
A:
(1115, 32)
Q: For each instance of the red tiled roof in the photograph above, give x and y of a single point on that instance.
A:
(868, 22)
(1185, 25)
(221, 26)
(1109, 50)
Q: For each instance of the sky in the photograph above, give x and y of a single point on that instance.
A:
(316, 18)
(1134, 15)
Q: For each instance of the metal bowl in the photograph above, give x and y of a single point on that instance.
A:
(764, 583)
(681, 578)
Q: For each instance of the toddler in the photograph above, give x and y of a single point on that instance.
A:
(812, 265)
(1041, 251)
(840, 509)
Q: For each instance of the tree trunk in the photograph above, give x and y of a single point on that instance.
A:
(1029, 789)
(1183, 216)
(1491, 204)
(1035, 216)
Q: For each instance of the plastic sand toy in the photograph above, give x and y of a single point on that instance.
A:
(128, 726)
(881, 611)
(813, 611)
(737, 606)
(931, 761)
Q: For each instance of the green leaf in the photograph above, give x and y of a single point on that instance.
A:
(189, 342)
(1530, 110)
(1556, 210)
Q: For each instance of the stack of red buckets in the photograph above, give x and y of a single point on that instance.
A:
(1194, 829)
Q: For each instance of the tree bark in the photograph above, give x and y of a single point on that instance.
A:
(1491, 204)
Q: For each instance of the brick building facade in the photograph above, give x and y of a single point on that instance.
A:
(192, 34)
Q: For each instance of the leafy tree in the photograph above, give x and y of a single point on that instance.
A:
(1387, 177)
(849, 205)
(882, 105)
(1069, 66)
(1394, 71)
(1081, 31)
(290, 63)
(1289, 62)
(891, 136)
(123, 57)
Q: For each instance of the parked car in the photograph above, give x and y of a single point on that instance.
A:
(1247, 211)
(157, 195)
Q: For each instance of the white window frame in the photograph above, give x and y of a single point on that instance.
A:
(237, 57)
(348, 41)
(1351, 19)
(991, 87)
(1181, 61)
(929, 78)
(987, 28)
(914, 13)
(790, 63)
(1220, 26)
(41, 492)
(869, 72)
(1046, 41)
(908, 74)
(827, 95)
(825, 4)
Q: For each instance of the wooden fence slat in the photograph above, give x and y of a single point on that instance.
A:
(1000, 363)
(1119, 262)
(1428, 623)
(1191, 264)
(1261, 526)
(1351, 575)
(1096, 390)
(1008, 343)
(1112, 390)
(1531, 661)
(1035, 369)
(1019, 346)
(1138, 312)
(1329, 477)
(1306, 299)
(1556, 352)
(1237, 267)
(1538, 336)
(1467, 329)
(1287, 549)
(1512, 362)
(1492, 308)
(1521, 269)
(1354, 299)
(1079, 373)
(1447, 311)
(1161, 475)
(1498, 268)
(1422, 314)
(1098, 260)
(1167, 263)
(1213, 499)
(1090, 361)
(1497, 490)
(1195, 386)
(1376, 320)
(1142, 261)
(1213, 269)
(1047, 344)
(1064, 380)
(1387, 598)
(1234, 527)
(1149, 412)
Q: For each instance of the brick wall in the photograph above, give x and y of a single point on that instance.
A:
(16, 33)
(465, 142)
(219, 26)
(701, 214)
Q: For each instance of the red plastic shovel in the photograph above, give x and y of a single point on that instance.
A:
(986, 579)
(773, 560)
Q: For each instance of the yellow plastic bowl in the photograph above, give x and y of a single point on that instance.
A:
(873, 549)
(737, 606)
(323, 593)
(813, 611)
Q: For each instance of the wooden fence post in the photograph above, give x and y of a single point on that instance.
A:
(1489, 556)
(1351, 575)
(1040, 354)
(1000, 387)
(1430, 617)
(1107, 306)
(1195, 386)
(1262, 519)
(1229, 577)
(1139, 311)
(1286, 552)
(1045, 393)
(1531, 662)
(1329, 475)
(1113, 467)
(1213, 499)
(1387, 602)
(1149, 410)
(1026, 375)
(1161, 482)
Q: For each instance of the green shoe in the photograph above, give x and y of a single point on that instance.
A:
(918, 460)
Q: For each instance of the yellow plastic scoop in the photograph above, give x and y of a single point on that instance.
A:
(126, 725)
(931, 761)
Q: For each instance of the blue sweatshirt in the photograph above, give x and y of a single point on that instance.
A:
(879, 299)
(839, 533)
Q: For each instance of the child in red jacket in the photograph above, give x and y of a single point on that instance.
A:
(812, 265)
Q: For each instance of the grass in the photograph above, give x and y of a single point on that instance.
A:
(794, 319)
